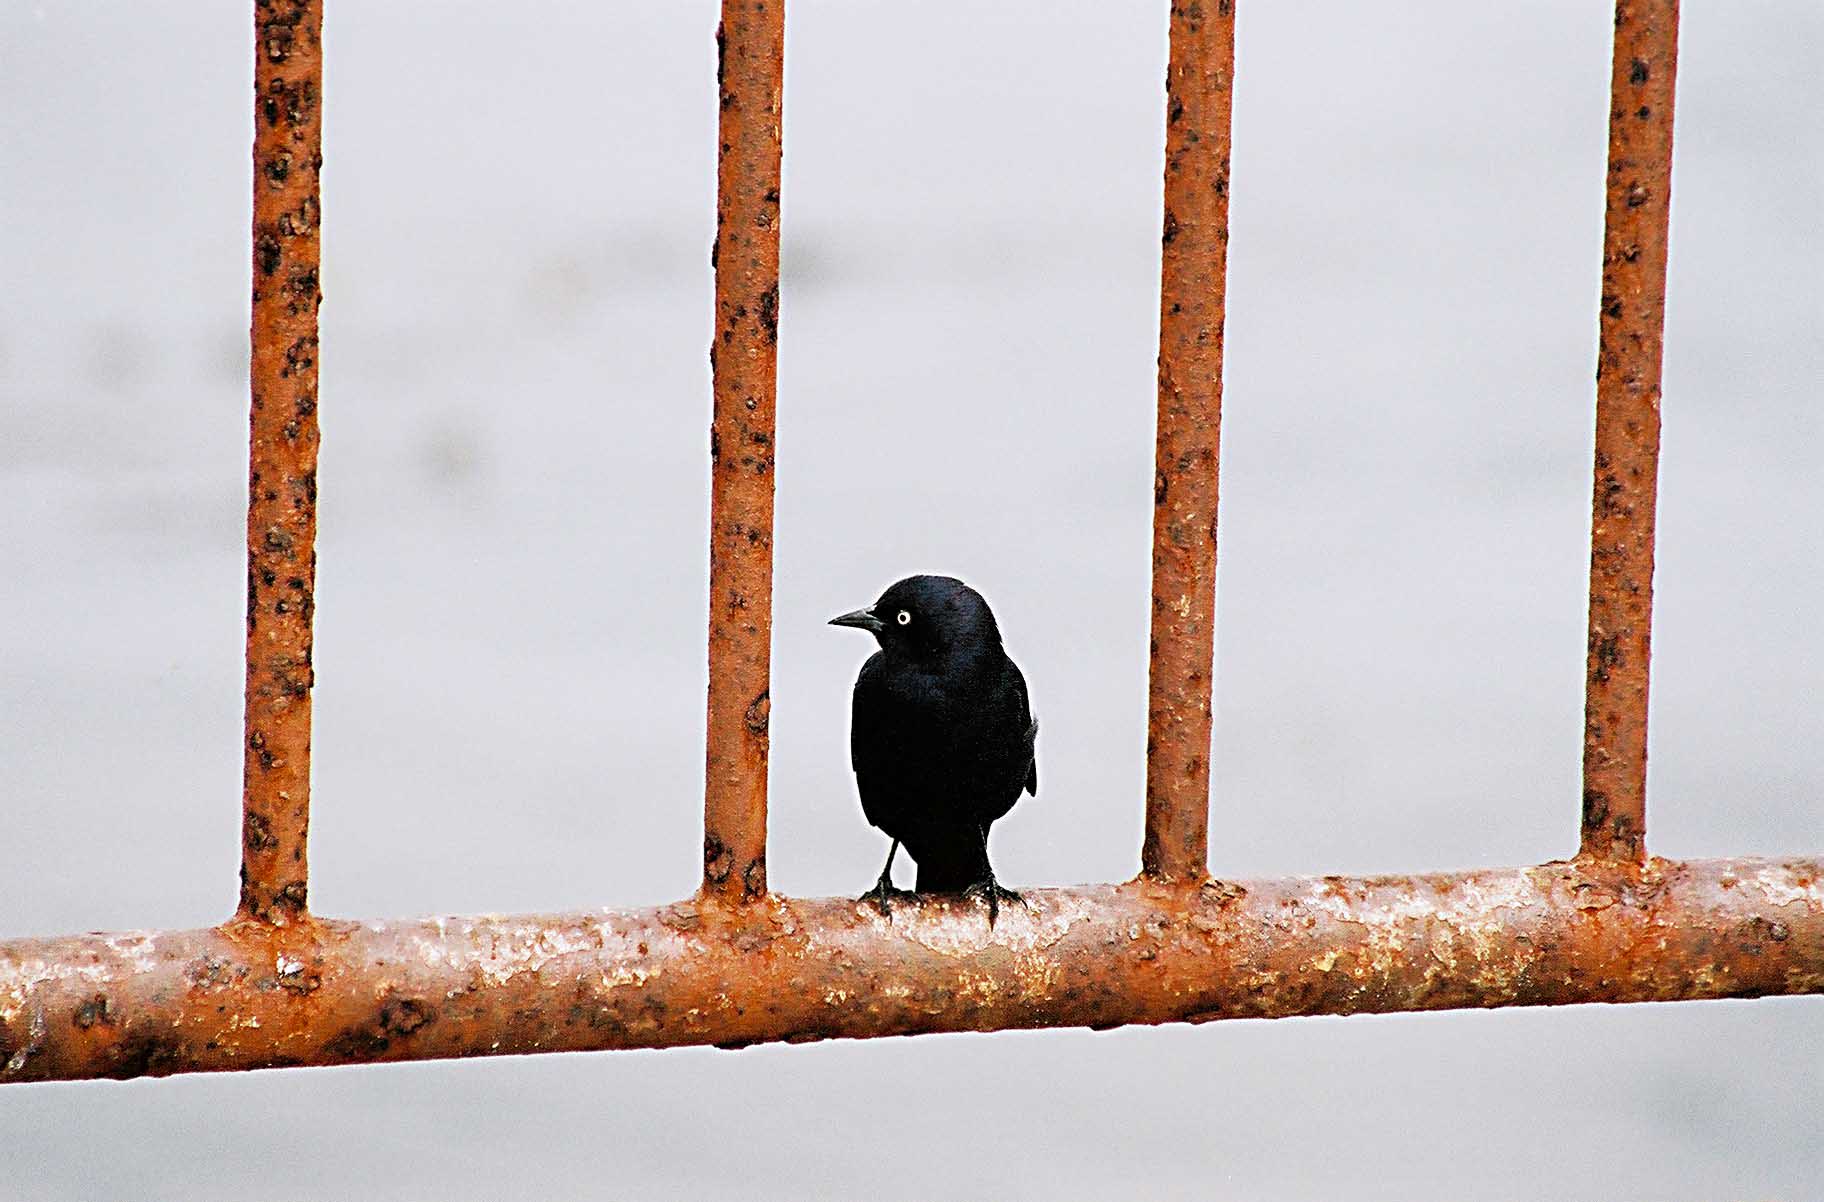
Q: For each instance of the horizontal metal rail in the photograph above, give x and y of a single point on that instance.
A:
(252, 995)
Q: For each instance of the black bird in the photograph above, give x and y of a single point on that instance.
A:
(941, 734)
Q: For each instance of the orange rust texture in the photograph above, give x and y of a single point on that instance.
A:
(1193, 281)
(743, 356)
(282, 458)
(1632, 329)
(250, 995)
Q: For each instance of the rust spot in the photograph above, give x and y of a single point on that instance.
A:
(769, 312)
(211, 972)
(1609, 490)
(355, 1045)
(1605, 657)
(1595, 809)
(256, 832)
(144, 1055)
(718, 860)
(759, 714)
(404, 1016)
(93, 1010)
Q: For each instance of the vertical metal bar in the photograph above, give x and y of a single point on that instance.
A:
(1193, 281)
(282, 457)
(1632, 329)
(743, 357)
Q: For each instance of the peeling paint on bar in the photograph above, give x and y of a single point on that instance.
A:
(703, 971)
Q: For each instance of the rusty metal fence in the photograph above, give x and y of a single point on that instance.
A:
(735, 964)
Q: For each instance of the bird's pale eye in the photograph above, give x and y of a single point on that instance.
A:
(904, 617)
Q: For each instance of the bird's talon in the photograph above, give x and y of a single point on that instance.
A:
(882, 895)
(994, 893)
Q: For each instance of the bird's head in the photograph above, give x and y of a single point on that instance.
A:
(928, 617)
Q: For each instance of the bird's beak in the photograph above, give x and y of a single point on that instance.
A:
(861, 619)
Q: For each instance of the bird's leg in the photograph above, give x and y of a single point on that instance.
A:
(995, 893)
(991, 889)
(883, 888)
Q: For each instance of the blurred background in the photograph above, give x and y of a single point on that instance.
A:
(518, 214)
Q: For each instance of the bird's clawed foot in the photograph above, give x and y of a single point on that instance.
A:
(883, 893)
(994, 893)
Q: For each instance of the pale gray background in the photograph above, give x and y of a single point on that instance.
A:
(518, 204)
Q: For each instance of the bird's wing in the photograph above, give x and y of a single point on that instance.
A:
(864, 713)
(1032, 731)
(870, 743)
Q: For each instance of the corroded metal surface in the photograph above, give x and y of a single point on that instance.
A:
(250, 995)
(282, 460)
(743, 355)
(1632, 327)
(1193, 280)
